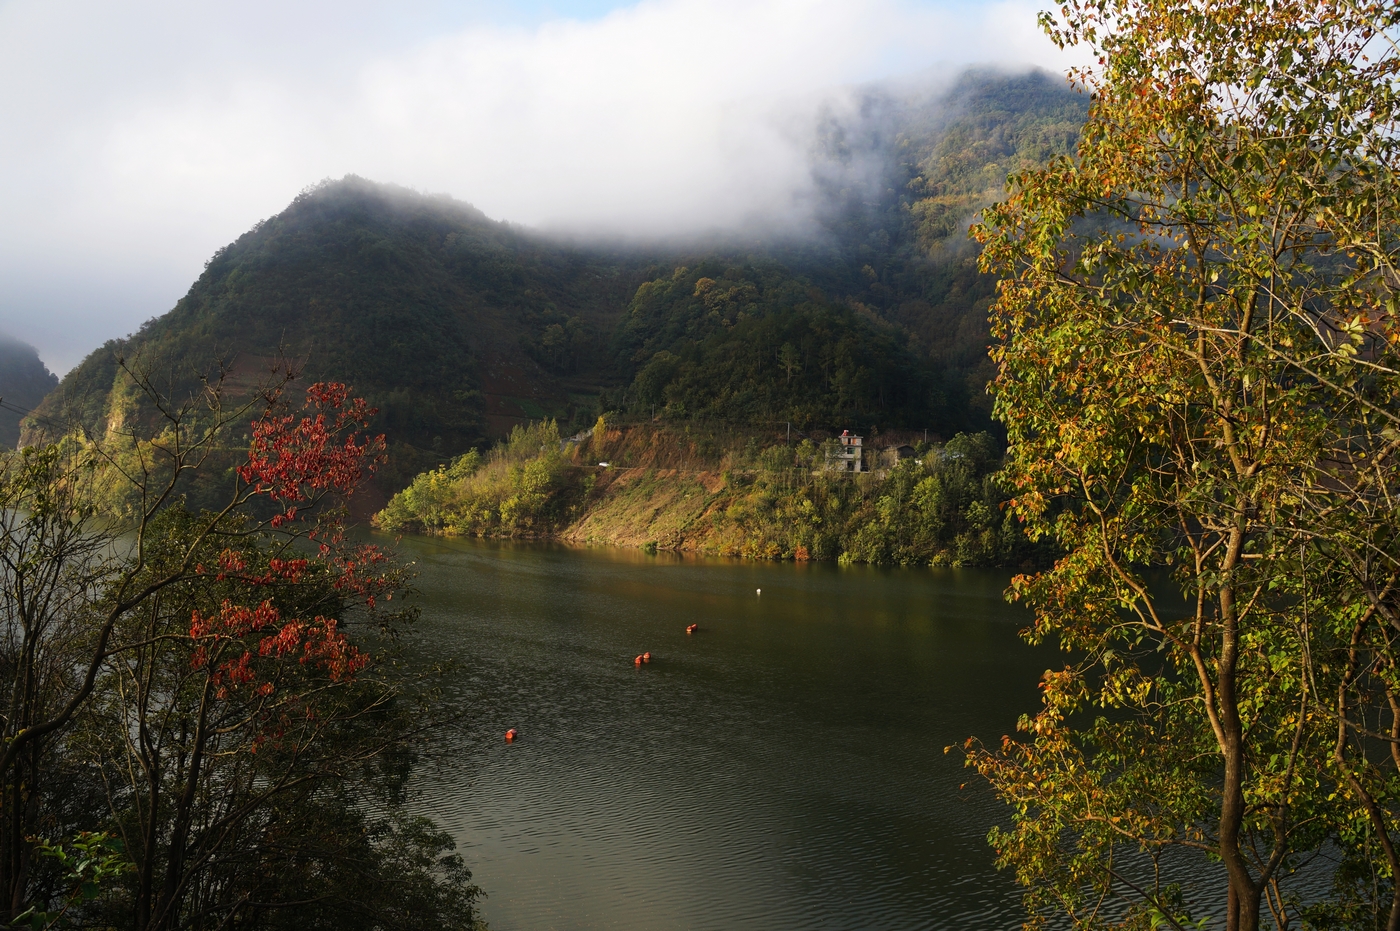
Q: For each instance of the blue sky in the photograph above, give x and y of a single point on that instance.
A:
(142, 135)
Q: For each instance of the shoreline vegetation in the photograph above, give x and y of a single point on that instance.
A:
(206, 721)
(717, 490)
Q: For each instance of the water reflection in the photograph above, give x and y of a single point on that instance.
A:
(783, 767)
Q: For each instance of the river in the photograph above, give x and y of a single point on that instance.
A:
(782, 768)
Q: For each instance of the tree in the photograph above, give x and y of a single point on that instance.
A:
(1199, 374)
(182, 680)
(789, 360)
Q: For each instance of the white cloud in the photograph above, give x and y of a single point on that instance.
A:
(141, 137)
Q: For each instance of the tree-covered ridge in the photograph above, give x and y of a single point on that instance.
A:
(884, 319)
(753, 343)
(1001, 127)
(24, 382)
(899, 247)
(403, 294)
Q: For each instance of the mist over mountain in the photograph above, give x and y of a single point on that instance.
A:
(457, 326)
(24, 382)
(141, 136)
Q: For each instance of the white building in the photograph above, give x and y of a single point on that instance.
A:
(847, 456)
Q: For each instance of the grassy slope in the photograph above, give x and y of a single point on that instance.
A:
(633, 507)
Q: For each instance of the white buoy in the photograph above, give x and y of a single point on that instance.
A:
(760, 591)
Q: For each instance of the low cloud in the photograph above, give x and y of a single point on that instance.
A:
(141, 138)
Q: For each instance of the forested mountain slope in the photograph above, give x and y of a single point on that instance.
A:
(422, 304)
(457, 327)
(24, 382)
(879, 316)
(901, 251)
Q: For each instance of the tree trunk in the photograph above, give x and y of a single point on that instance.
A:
(1243, 889)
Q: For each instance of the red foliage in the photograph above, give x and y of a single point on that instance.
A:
(232, 563)
(298, 458)
(295, 460)
(286, 570)
(351, 576)
(316, 643)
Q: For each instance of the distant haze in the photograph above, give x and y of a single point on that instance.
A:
(140, 137)
(23, 383)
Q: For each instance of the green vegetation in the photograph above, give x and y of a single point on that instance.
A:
(515, 490)
(902, 254)
(950, 511)
(1213, 388)
(750, 344)
(1002, 128)
(402, 295)
(768, 502)
(882, 324)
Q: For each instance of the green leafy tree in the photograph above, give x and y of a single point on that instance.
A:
(86, 865)
(514, 490)
(1198, 369)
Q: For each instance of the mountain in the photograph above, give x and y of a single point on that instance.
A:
(888, 275)
(424, 305)
(457, 327)
(24, 382)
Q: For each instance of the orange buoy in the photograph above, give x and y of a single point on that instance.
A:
(690, 629)
(512, 734)
(638, 661)
(646, 657)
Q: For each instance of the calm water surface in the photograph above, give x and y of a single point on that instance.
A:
(782, 768)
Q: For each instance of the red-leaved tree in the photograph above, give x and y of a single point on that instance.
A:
(185, 678)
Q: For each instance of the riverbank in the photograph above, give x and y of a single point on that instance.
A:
(638, 485)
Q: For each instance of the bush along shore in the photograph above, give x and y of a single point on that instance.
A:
(715, 490)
